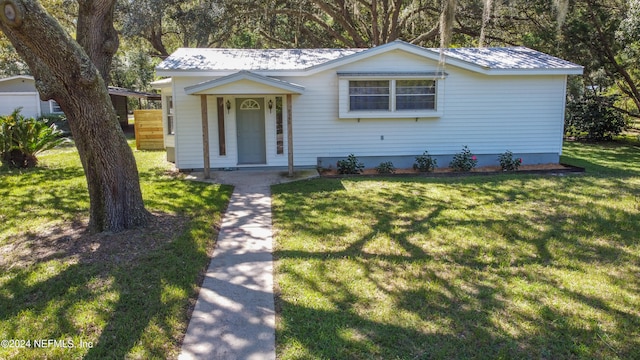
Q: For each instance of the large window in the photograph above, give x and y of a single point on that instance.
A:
(392, 95)
(171, 129)
(369, 95)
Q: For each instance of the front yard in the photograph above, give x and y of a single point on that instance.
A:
(65, 294)
(505, 266)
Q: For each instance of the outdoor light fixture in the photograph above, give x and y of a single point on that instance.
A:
(270, 104)
(228, 106)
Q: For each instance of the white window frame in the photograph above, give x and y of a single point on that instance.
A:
(52, 107)
(171, 114)
(344, 111)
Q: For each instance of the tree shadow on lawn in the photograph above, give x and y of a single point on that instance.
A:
(604, 158)
(21, 202)
(120, 300)
(495, 287)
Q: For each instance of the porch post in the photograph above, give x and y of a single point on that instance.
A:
(205, 136)
(290, 133)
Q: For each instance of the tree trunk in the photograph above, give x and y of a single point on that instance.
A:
(65, 73)
(96, 34)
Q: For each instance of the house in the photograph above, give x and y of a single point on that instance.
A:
(235, 108)
(20, 91)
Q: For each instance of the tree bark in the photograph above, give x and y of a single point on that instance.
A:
(96, 34)
(66, 74)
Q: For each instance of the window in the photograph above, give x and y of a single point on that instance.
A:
(279, 127)
(415, 94)
(368, 95)
(222, 140)
(250, 104)
(54, 107)
(170, 117)
(408, 94)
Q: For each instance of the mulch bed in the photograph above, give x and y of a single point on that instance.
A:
(448, 172)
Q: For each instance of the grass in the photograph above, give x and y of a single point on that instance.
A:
(103, 296)
(505, 266)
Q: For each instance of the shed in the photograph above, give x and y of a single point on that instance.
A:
(20, 91)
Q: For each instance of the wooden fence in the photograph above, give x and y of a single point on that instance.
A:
(148, 129)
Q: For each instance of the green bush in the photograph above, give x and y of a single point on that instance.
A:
(21, 139)
(464, 160)
(425, 163)
(508, 162)
(593, 119)
(350, 166)
(60, 120)
(386, 168)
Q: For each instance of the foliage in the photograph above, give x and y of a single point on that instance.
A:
(464, 160)
(497, 267)
(386, 167)
(425, 163)
(594, 119)
(59, 120)
(21, 139)
(350, 165)
(127, 297)
(508, 162)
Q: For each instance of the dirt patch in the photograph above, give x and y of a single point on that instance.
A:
(479, 170)
(72, 242)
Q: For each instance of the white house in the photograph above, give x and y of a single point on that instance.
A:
(234, 108)
(20, 91)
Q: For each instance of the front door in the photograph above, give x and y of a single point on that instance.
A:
(251, 135)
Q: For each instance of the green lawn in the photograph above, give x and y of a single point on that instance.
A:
(110, 296)
(505, 266)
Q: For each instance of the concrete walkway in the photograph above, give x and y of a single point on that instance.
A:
(234, 316)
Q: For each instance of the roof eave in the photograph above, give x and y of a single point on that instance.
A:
(285, 86)
(539, 71)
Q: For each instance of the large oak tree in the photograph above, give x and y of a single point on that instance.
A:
(66, 72)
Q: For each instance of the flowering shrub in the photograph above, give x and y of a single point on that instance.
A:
(350, 166)
(386, 168)
(508, 162)
(464, 160)
(425, 163)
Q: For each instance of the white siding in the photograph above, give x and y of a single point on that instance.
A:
(29, 102)
(490, 114)
(189, 131)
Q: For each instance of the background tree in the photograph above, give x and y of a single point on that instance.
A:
(65, 73)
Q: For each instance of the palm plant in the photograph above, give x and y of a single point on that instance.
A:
(21, 139)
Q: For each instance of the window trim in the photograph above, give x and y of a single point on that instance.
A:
(171, 115)
(344, 96)
(52, 107)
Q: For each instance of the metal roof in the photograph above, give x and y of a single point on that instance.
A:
(489, 60)
(251, 59)
(508, 58)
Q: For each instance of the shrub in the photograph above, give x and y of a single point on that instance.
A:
(386, 168)
(425, 163)
(350, 166)
(464, 160)
(508, 163)
(593, 119)
(60, 120)
(21, 139)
